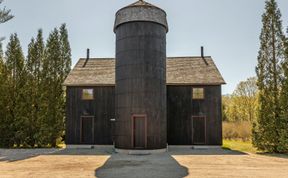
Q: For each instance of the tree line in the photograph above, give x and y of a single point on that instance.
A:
(241, 105)
(32, 101)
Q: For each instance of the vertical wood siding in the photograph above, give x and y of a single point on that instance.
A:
(102, 108)
(141, 82)
(181, 108)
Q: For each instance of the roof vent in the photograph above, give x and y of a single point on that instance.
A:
(87, 58)
(202, 55)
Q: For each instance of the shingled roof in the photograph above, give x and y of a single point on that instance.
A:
(180, 71)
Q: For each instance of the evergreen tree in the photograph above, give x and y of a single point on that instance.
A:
(34, 67)
(65, 52)
(6, 136)
(283, 140)
(52, 94)
(5, 15)
(66, 66)
(16, 116)
(267, 130)
(32, 102)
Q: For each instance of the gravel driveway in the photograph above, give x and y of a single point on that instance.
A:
(104, 163)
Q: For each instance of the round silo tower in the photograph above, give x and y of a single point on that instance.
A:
(140, 89)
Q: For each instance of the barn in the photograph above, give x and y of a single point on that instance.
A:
(141, 99)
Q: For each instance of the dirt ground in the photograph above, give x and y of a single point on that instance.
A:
(105, 163)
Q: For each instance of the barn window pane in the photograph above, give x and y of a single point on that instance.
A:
(198, 93)
(87, 94)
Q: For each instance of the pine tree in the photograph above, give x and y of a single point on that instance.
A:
(34, 67)
(16, 119)
(266, 131)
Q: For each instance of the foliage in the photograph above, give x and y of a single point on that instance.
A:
(283, 123)
(33, 84)
(32, 101)
(268, 127)
(243, 146)
(241, 105)
(56, 66)
(5, 15)
(237, 130)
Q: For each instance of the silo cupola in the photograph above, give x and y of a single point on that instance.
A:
(141, 11)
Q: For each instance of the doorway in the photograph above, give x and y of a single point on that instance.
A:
(198, 130)
(139, 131)
(87, 129)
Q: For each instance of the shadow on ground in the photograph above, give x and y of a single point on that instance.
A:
(175, 150)
(12, 155)
(84, 151)
(157, 165)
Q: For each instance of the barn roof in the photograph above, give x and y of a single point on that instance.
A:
(180, 71)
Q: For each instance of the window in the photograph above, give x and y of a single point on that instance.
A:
(198, 93)
(87, 94)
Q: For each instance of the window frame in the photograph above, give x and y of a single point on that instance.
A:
(198, 98)
(82, 92)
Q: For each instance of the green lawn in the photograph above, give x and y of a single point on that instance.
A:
(239, 146)
(247, 147)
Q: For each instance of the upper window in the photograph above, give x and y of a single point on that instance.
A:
(198, 93)
(87, 94)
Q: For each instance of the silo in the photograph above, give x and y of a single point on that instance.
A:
(140, 89)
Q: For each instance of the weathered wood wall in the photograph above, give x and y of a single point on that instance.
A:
(102, 108)
(141, 82)
(180, 109)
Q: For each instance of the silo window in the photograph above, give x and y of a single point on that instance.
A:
(87, 94)
(198, 93)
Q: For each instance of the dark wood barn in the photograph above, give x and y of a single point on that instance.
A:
(193, 102)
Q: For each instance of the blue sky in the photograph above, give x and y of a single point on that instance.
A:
(228, 29)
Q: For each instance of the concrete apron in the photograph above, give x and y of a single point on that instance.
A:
(141, 152)
(144, 152)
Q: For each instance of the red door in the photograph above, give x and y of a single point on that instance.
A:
(199, 130)
(87, 130)
(139, 131)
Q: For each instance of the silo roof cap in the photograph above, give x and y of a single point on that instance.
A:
(141, 11)
(141, 3)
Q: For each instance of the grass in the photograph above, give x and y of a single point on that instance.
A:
(247, 147)
(239, 145)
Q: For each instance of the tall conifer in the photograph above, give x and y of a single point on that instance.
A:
(266, 131)
(6, 137)
(34, 67)
(283, 127)
(16, 93)
(52, 91)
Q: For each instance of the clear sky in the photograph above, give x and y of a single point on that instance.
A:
(228, 29)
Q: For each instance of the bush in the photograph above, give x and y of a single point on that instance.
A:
(237, 130)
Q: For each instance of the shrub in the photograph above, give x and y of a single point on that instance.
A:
(237, 130)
